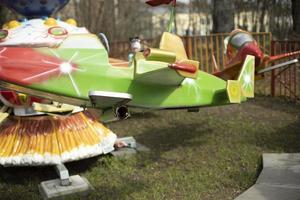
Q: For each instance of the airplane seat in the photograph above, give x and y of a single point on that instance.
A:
(173, 43)
(118, 62)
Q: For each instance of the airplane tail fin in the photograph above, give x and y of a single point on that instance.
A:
(243, 87)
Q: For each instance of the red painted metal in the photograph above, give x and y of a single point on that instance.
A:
(13, 98)
(250, 48)
(160, 2)
(30, 67)
(184, 67)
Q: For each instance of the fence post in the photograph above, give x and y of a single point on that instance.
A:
(188, 46)
(273, 77)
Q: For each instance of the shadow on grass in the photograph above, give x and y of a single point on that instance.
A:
(144, 115)
(118, 191)
(24, 175)
(285, 139)
(161, 140)
(277, 104)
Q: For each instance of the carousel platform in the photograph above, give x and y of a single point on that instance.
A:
(52, 140)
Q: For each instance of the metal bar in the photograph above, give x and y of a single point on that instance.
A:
(218, 51)
(285, 73)
(270, 42)
(206, 53)
(273, 78)
(211, 52)
(264, 42)
(258, 40)
(278, 66)
(190, 48)
(297, 79)
(290, 75)
(201, 55)
(195, 49)
(223, 55)
(290, 79)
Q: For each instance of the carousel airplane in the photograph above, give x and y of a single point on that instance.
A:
(59, 61)
(238, 45)
(44, 61)
(78, 71)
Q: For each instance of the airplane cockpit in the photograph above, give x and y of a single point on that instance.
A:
(236, 41)
(239, 39)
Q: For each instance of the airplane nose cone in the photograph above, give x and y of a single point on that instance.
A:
(254, 50)
(258, 57)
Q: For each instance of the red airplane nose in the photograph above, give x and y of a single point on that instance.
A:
(254, 50)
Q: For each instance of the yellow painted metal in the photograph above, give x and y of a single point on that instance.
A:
(234, 91)
(173, 43)
(161, 55)
(50, 22)
(13, 24)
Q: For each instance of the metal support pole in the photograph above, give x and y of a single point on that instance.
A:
(63, 174)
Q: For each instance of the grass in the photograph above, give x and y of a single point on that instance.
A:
(213, 154)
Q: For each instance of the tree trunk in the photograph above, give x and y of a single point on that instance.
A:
(296, 15)
(2, 15)
(223, 16)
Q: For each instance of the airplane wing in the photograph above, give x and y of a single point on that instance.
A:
(284, 64)
(271, 59)
(230, 72)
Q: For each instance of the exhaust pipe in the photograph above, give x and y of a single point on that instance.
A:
(122, 112)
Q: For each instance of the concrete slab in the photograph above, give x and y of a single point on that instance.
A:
(128, 151)
(53, 189)
(279, 179)
(269, 192)
(281, 160)
(289, 176)
(132, 148)
(124, 152)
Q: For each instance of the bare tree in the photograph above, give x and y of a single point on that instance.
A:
(6, 15)
(296, 16)
(223, 16)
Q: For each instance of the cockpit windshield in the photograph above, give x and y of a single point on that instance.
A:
(239, 39)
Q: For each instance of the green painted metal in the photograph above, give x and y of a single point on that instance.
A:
(94, 73)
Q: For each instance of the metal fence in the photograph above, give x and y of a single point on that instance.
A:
(285, 82)
(199, 48)
(202, 48)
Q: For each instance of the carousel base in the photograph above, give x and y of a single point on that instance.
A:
(52, 140)
(65, 185)
(52, 189)
(131, 148)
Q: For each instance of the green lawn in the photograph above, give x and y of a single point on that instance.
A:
(213, 154)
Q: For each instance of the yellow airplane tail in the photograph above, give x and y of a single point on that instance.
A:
(242, 88)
